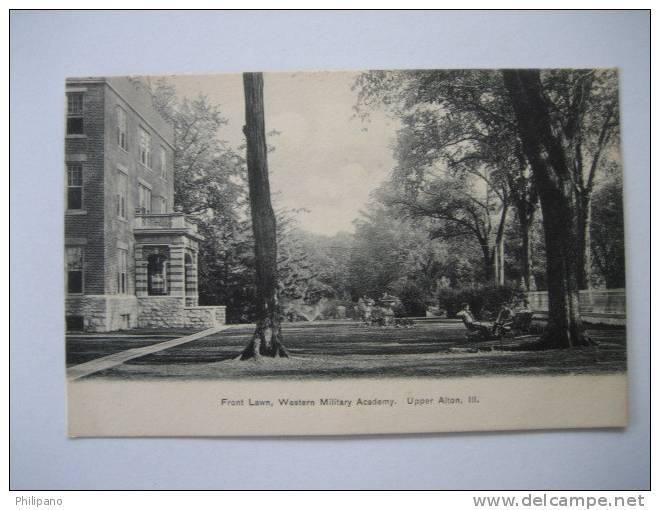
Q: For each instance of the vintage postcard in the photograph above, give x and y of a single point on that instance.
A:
(322, 253)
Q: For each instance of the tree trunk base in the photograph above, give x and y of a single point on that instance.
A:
(265, 343)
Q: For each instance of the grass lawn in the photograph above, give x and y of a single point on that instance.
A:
(83, 347)
(324, 350)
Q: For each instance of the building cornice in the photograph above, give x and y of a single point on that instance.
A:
(153, 232)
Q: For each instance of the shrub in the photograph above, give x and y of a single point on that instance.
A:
(413, 298)
(413, 301)
(484, 300)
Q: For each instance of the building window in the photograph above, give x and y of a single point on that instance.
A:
(122, 141)
(157, 284)
(74, 186)
(74, 120)
(145, 148)
(188, 283)
(161, 205)
(163, 162)
(144, 199)
(122, 281)
(75, 323)
(122, 193)
(74, 270)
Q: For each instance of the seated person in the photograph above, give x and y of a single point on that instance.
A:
(485, 328)
(524, 307)
(523, 316)
(505, 315)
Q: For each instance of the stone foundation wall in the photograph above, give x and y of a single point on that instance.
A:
(122, 312)
(220, 315)
(170, 312)
(93, 309)
(105, 312)
(161, 312)
(205, 316)
(117, 312)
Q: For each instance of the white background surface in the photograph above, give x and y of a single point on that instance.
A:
(46, 47)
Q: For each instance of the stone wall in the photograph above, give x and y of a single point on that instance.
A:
(160, 312)
(220, 315)
(200, 317)
(118, 312)
(122, 312)
(170, 312)
(204, 316)
(103, 313)
(92, 308)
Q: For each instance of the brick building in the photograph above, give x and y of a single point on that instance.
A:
(130, 259)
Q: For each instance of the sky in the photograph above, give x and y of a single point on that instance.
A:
(326, 161)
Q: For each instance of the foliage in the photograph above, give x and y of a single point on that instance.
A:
(210, 187)
(459, 160)
(390, 254)
(413, 299)
(485, 300)
(514, 260)
(461, 185)
(210, 175)
(458, 123)
(226, 267)
(607, 231)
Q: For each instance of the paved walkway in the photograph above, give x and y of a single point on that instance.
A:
(116, 359)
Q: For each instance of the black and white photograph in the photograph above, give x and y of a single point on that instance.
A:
(412, 226)
(347, 250)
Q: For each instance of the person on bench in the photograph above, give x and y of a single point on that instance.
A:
(477, 328)
(522, 319)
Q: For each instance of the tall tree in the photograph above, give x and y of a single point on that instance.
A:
(297, 270)
(208, 172)
(565, 123)
(548, 152)
(394, 255)
(267, 337)
(459, 206)
(583, 106)
(211, 187)
(463, 119)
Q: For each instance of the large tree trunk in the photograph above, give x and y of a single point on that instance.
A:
(526, 252)
(267, 337)
(496, 264)
(584, 240)
(525, 219)
(500, 265)
(564, 323)
(551, 174)
(499, 246)
(488, 254)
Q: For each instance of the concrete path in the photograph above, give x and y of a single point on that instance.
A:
(116, 359)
